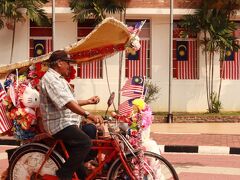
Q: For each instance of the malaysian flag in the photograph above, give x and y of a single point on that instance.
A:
(125, 108)
(135, 83)
(39, 47)
(5, 123)
(90, 70)
(185, 60)
(132, 94)
(230, 68)
(136, 65)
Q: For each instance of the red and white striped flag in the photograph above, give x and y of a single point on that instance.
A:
(48, 45)
(138, 67)
(230, 68)
(2, 93)
(5, 123)
(90, 70)
(188, 68)
(132, 94)
(136, 83)
(125, 108)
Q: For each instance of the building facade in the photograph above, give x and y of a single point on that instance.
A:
(188, 77)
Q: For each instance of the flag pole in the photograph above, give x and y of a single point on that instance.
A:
(53, 25)
(170, 115)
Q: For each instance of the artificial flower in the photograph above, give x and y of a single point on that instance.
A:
(147, 117)
(71, 74)
(133, 44)
(139, 103)
(22, 78)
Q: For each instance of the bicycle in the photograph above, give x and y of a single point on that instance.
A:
(36, 158)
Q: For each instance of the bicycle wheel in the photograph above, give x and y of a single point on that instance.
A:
(155, 167)
(28, 158)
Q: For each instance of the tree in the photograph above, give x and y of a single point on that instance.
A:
(211, 23)
(12, 12)
(97, 9)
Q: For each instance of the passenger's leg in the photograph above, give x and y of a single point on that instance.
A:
(91, 131)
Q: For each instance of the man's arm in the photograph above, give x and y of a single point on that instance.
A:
(92, 100)
(74, 107)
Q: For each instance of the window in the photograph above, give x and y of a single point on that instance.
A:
(185, 55)
(93, 69)
(40, 40)
(140, 63)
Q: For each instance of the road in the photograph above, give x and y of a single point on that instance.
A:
(3, 157)
(188, 166)
(205, 167)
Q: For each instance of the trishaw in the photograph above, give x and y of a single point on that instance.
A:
(41, 155)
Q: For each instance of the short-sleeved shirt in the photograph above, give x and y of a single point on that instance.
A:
(55, 93)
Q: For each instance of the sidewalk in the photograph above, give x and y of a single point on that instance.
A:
(204, 138)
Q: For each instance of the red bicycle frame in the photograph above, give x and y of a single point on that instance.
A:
(108, 146)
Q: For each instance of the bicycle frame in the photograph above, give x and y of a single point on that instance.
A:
(109, 145)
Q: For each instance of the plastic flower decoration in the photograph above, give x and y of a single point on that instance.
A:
(139, 104)
(139, 119)
(133, 45)
(72, 74)
(36, 72)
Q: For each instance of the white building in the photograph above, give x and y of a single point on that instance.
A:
(187, 94)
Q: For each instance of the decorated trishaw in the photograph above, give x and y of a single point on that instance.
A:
(121, 154)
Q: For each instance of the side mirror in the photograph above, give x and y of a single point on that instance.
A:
(111, 99)
(110, 102)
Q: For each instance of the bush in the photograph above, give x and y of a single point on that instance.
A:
(152, 92)
(216, 104)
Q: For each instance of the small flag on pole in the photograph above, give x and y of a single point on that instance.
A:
(5, 123)
(132, 94)
(136, 83)
(125, 108)
(138, 26)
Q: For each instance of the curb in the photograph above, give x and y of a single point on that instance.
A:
(200, 149)
(168, 148)
(11, 142)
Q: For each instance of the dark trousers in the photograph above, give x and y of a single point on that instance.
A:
(91, 131)
(78, 145)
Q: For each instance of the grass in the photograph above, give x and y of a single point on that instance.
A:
(227, 113)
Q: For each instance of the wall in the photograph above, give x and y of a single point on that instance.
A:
(20, 46)
(187, 95)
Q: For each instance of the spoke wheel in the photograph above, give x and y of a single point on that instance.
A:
(27, 160)
(155, 168)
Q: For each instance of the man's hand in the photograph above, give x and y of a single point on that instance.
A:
(94, 100)
(97, 119)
